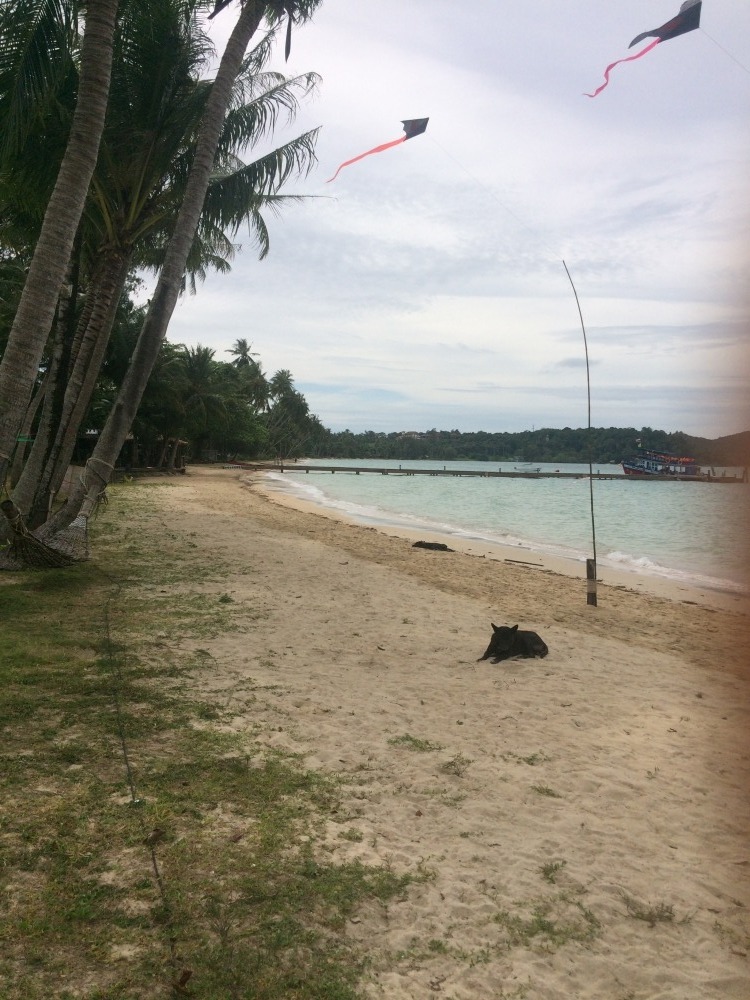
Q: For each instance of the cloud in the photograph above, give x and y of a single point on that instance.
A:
(425, 287)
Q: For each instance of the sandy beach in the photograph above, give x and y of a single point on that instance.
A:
(580, 822)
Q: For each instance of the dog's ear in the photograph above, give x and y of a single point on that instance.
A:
(494, 627)
(515, 628)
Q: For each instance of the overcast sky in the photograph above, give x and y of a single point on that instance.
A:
(425, 287)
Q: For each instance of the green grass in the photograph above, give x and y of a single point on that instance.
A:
(546, 790)
(650, 913)
(551, 923)
(551, 869)
(414, 743)
(205, 872)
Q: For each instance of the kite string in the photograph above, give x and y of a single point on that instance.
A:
(725, 51)
(524, 225)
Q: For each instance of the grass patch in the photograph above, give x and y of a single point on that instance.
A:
(650, 913)
(546, 790)
(457, 765)
(531, 759)
(413, 743)
(551, 869)
(550, 924)
(194, 868)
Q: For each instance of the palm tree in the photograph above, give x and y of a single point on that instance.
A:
(281, 384)
(243, 356)
(33, 320)
(148, 140)
(154, 104)
(164, 299)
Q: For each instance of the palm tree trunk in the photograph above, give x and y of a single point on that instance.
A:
(81, 383)
(36, 308)
(28, 422)
(101, 464)
(23, 492)
(55, 379)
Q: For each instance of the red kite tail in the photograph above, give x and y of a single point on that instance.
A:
(377, 149)
(617, 63)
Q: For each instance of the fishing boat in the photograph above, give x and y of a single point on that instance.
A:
(527, 467)
(658, 463)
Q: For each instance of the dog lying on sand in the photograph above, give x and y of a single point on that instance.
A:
(508, 643)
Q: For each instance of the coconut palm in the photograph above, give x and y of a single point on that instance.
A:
(34, 316)
(243, 355)
(154, 105)
(164, 299)
(148, 142)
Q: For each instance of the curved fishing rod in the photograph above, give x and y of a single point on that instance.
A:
(590, 563)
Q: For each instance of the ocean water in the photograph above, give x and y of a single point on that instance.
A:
(689, 532)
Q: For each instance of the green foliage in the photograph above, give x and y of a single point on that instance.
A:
(414, 743)
(599, 445)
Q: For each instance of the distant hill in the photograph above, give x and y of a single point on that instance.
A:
(734, 449)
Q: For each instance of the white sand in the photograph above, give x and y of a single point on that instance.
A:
(621, 762)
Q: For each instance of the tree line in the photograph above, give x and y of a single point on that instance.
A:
(599, 444)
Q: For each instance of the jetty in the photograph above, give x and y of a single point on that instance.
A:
(500, 473)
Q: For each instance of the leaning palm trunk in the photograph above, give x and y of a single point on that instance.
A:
(23, 491)
(100, 466)
(36, 309)
(79, 389)
(28, 422)
(55, 380)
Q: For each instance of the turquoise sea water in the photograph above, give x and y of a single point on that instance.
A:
(692, 532)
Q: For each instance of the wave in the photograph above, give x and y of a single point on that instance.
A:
(376, 516)
(648, 567)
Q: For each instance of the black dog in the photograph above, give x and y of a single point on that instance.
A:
(507, 643)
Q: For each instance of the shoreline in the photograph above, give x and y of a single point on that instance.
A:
(522, 555)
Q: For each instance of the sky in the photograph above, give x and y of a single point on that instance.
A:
(425, 287)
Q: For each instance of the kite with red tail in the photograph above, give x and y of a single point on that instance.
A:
(688, 19)
(412, 127)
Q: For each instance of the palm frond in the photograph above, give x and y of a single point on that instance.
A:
(37, 41)
(230, 198)
(273, 96)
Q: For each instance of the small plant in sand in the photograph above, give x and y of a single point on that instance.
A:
(546, 790)
(737, 941)
(355, 836)
(652, 914)
(457, 765)
(531, 759)
(552, 923)
(413, 743)
(551, 870)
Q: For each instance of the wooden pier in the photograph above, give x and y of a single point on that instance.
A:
(480, 473)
